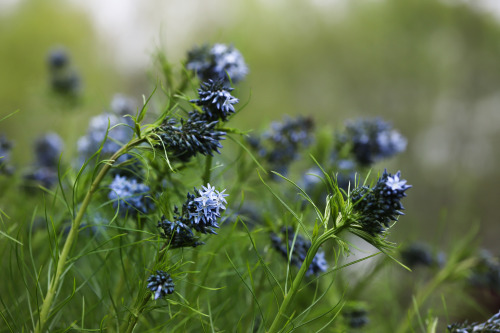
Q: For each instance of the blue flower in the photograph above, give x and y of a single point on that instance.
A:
(130, 196)
(178, 234)
(299, 251)
(96, 132)
(280, 145)
(42, 175)
(379, 206)
(216, 100)
(372, 140)
(63, 78)
(189, 137)
(48, 148)
(206, 208)
(161, 284)
(58, 58)
(417, 254)
(219, 62)
(200, 212)
(486, 273)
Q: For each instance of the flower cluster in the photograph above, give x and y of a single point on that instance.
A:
(380, 205)
(185, 138)
(48, 148)
(5, 147)
(107, 122)
(492, 325)
(130, 196)
(63, 78)
(420, 254)
(178, 234)
(299, 251)
(90, 143)
(44, 172)
(219, 62)
(371, 140)
(417, 254)
(216, 100)
(160, 284)
(200, 212)
(281, 144)
(486, 273)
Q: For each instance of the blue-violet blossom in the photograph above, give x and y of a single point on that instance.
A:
(380, 205)
(48, 148)
(216, 100)
(280, 145)
(217, 62)
(160, 284)
(372, 140)
(130, 195)
(186, 138)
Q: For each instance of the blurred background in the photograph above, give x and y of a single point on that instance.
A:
(430, 67)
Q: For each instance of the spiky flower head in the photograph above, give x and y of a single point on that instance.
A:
(178, 234)
(206, 208)
(130, 195)
(219, 62)
(380, 205)
(492, 325)
(216, 100)
(372, 140)
(48, 148)
(299, 250)
(161, 284)
(280, 145)
(186, 138)
(201, 211)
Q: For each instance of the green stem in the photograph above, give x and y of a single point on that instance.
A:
(134, 317)
(282, 317)
(208, 170)
(73, 235)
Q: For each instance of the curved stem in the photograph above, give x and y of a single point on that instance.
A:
(73, 234)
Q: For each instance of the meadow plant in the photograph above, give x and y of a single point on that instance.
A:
(191, 232)
(64, 79)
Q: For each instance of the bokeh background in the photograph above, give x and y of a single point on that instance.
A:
(430, 67)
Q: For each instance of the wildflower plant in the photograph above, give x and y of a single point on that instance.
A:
(171, 220)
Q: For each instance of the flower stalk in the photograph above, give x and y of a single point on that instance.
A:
(73, 234)
(282, 319)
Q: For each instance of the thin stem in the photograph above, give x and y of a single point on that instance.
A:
(133, 317)
(282, 317)
(73, 235)
(208, 170)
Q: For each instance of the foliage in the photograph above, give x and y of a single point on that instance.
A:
(105, 246)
